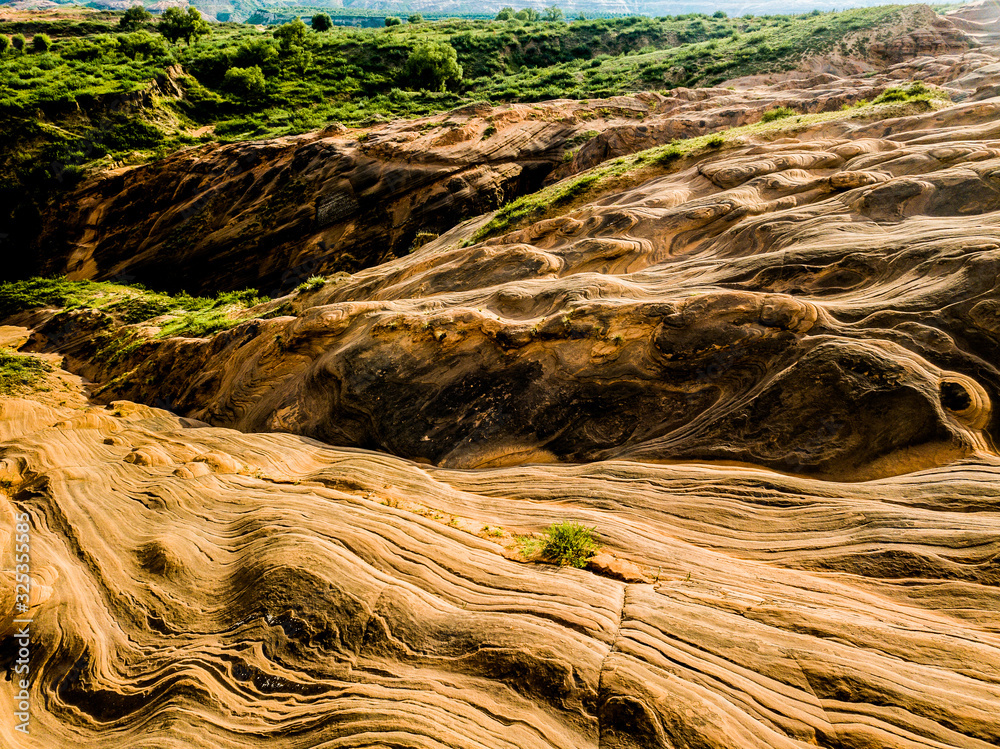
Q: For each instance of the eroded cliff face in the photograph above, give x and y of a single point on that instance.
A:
(819, 304)
(764, 372)
(272, 213)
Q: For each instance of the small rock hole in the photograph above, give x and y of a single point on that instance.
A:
(954, 397)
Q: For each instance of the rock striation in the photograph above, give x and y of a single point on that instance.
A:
(202, 587)
(823, 304)
(763, 371)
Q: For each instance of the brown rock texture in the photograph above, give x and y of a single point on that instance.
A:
(763, 372)
(237, 590)
(823, 304)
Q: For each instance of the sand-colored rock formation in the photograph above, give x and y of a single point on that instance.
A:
(203, 587)
(765, 373)
(823, 304)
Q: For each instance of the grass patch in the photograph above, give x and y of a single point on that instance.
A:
(916, 91)
(777, 113)
(19, 372)
(311, 284)
(128, 305)
(569, 544)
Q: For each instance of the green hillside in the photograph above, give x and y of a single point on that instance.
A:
(98, 95)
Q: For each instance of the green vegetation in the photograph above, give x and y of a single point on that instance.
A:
(570, 544)
(183, 315)
(351, 71)
(175, 24)
(777, 113)
(41, 43)
(247, 83)
(917, 91)
(19, 371)
(432, 66)
(322, 22)
(134, 18)
(312, 283)
(105, 91)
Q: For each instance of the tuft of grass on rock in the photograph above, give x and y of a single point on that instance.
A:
(916, 91)
(19, 371)
(312, 283)
(777, 113)
(570, 544)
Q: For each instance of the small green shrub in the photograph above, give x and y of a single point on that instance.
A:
(321, 22)
(258, 52)
(776, 114)
(41, 43)
(141, 44)
(133, 309)
(5, 44)
(432, 66)
(570, 544)
(247, 83)
(18, 41)
(917, 91)
(312, 283)
(896, 93)
(134, 18)
(716, 141)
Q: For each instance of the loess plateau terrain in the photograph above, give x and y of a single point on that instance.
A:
(749, 334)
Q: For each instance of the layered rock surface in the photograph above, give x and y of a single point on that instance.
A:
(821, 304)
(273, 213)
(764, 373)
(203, 587)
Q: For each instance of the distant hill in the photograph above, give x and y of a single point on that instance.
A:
(356, 10)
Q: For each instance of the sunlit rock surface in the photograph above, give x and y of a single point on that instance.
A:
(764, 373)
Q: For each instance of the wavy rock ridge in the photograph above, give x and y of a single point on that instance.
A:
(268, 590)
(823, 304)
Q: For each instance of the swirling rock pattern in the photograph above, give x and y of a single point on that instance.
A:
(243, 590)
(765, 375)
(820, 305)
